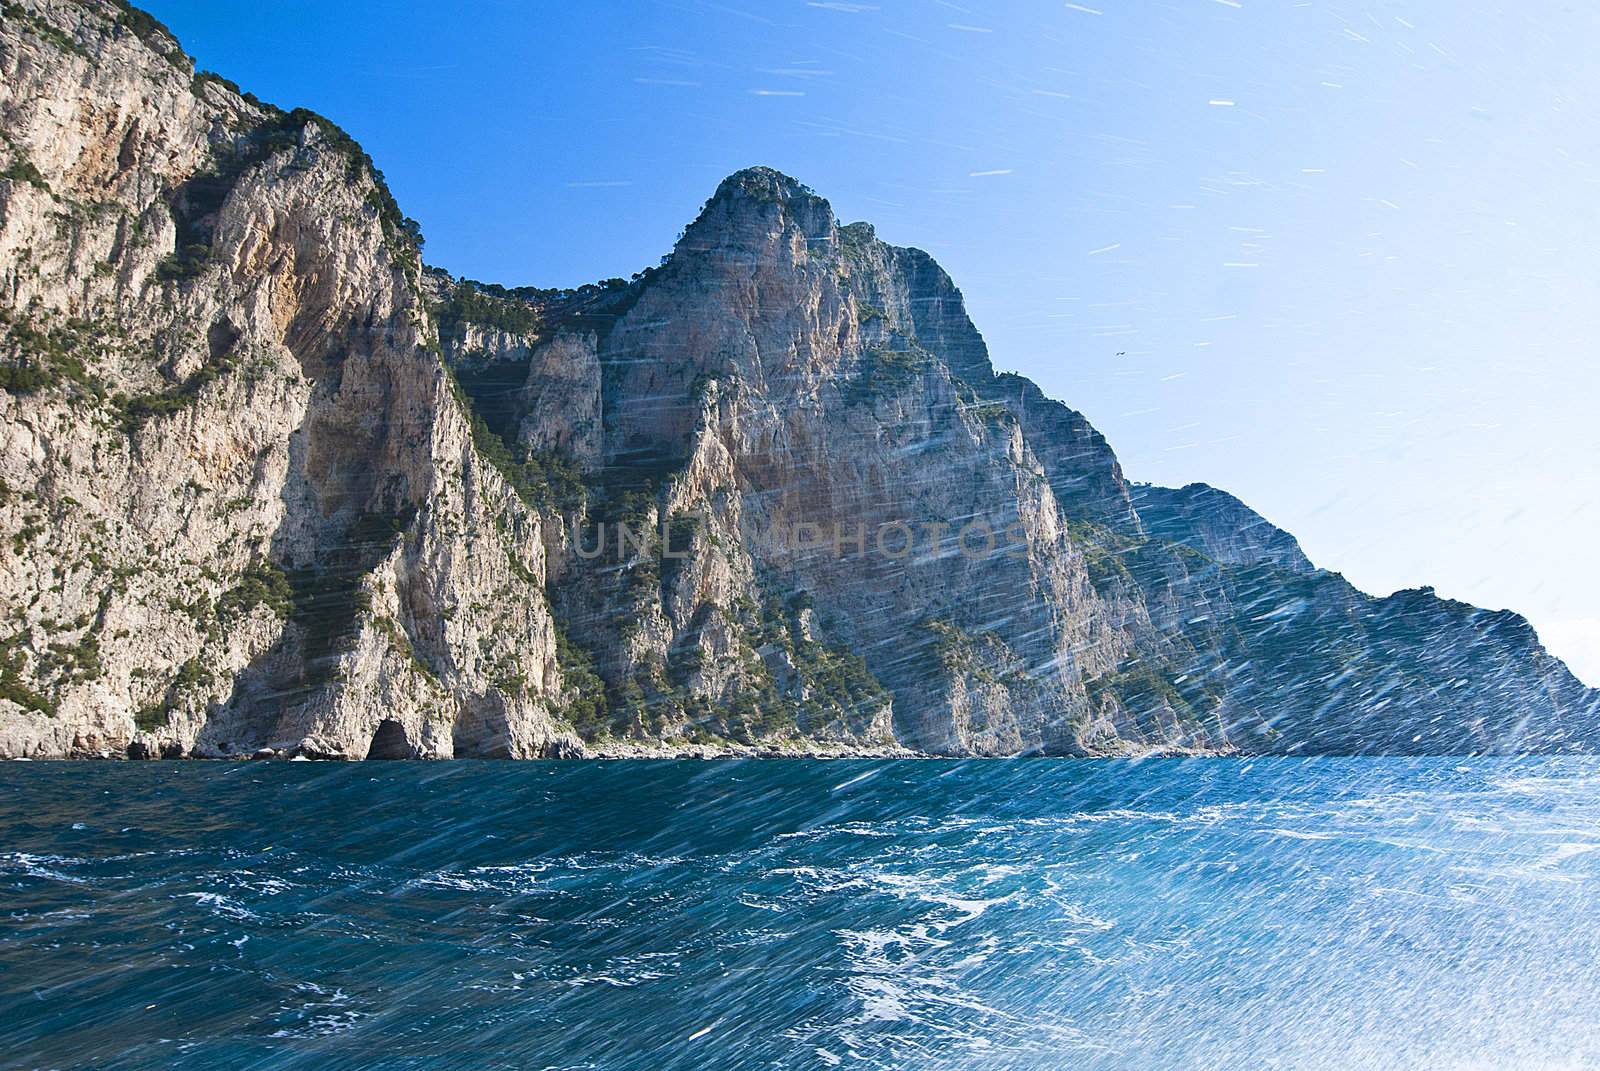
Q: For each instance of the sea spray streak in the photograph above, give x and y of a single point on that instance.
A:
(1306, 913)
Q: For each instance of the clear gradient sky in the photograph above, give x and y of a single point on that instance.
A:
(1335, 257)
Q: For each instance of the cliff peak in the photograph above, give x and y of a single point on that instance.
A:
(763, 183)
(1220, 526)
(753, 204)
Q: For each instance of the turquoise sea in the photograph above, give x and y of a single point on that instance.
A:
(1205, 913)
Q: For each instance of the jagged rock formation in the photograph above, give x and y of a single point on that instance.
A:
(1217, 525)
(271, 486)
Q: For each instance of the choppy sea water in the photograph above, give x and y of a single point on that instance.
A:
(1185, 914)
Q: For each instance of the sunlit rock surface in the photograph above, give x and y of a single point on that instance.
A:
(273, 487)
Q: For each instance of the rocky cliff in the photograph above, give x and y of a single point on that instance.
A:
(271, 486)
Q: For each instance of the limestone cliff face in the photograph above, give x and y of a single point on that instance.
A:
(1217, 525)
(270, 484)
(242, 506)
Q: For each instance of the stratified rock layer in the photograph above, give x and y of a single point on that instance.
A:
(270, 486)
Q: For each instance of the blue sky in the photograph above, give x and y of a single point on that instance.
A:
(1337, 258)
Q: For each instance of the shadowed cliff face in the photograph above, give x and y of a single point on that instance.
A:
(270, 484)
